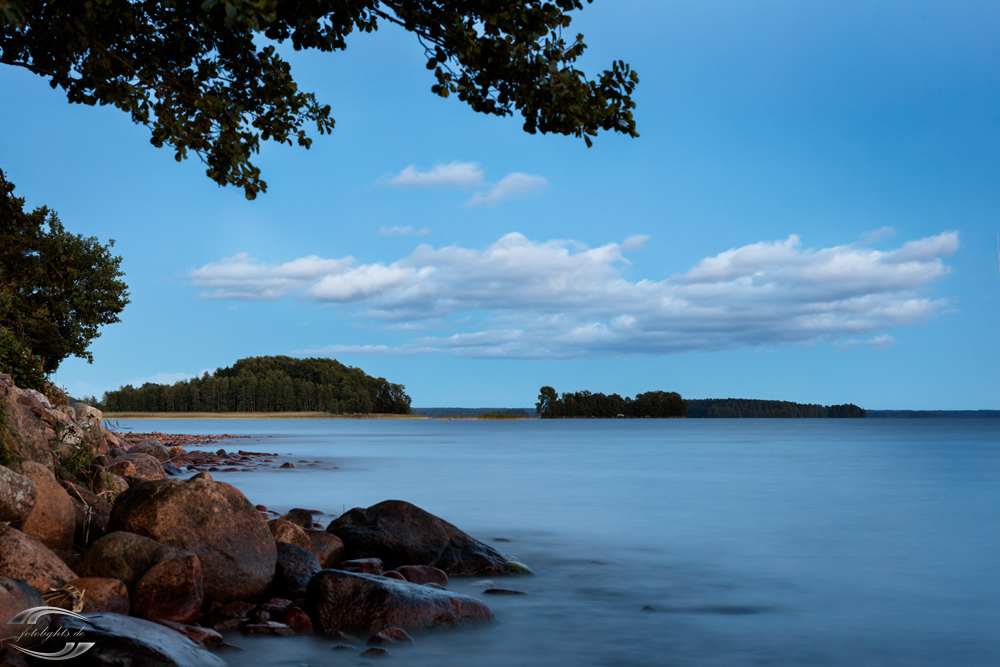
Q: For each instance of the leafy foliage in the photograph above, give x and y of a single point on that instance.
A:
(201, 78)
(659, 404)
(59, 288)
(268, 384)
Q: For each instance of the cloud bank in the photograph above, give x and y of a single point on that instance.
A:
(520, 298)
(466, 176)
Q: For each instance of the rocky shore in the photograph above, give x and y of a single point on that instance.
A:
(159, 567)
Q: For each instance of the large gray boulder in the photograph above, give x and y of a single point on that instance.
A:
(121, 641)
(401, 533)
(364, 604)
(212, 519)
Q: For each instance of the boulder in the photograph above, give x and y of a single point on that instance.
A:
(367, 604)
(286, 531)
(52, 520)
(126, 640)
(327, 547)
(147, 467)
(15, 596)
(403, 534)
(294, 568)
(171, 591)
(299, 621)
(300, 517)
(212, 519)
(23, 557)
(153, 448)
(195, 633)
(85, 413)
(125, 556)
(423, 574)
(97, 594)
(362, 565)
(17, 496)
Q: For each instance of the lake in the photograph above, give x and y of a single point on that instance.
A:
(673, 542)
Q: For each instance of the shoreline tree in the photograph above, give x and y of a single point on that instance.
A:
(56, 289)
(205, 76)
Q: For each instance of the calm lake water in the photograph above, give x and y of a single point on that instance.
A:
(674, 542)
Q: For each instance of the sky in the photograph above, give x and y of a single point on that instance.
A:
(811, 213)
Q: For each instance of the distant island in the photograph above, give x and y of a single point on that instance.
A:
(934, 414)
(661, 404)
(265, 385)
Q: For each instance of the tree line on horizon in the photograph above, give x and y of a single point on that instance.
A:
(658, 404)
(268, 384)
(755, 408)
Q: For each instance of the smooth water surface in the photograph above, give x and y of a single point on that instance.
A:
(674, 542)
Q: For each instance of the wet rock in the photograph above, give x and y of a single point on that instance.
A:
(403, 534)
(376, 652)
(17, 496)
(362, 565)
(195, 633)
(390, 636)
(15, 596)
(52, 520)
(299, 621)
(171, 591)
(366, 604)
(286, 531)
(23, 557)
(327, 547)
(502, 591)
(286, 464)
(295, 567)
(171, 469)
(99, 594)
(125, 556)
(300, 517)
(269, 629)
(126, 640)
(212, 519)
(392, 574)
(423, 574)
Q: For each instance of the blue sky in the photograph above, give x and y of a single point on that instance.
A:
(811, 213)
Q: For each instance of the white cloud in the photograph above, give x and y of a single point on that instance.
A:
(402, 231)
(511, 186)
(454, 175)
(528, 299)
(244, 278)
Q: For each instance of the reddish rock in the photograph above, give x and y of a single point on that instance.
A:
(367, 604)
(23, 557)
(52, 520)
(401, 533)
(327, 547)
(423, 574)
(362, 566)
(271, 628)
(300, 517)
(101, 594)
(390, 636)
(123, 469)
(17, 496)
(125, 556)
(299, 621)
(212, 519)
(286, 464)
(286, 531)
(147, 467)
(15, 596)
(195, 633)
(171, 591)
(392, 574)
(376, 653)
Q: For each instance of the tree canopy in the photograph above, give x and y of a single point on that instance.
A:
(657, 404)
(199, 76)
(58, 288)
(268, 384)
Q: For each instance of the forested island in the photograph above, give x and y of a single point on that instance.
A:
(670, 404)
(268, 384)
